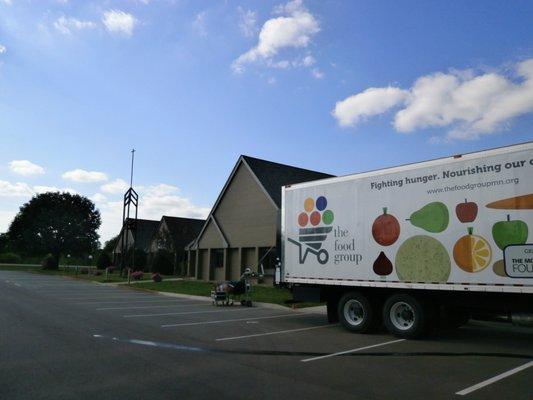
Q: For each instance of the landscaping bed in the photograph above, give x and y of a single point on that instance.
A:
(262, 294)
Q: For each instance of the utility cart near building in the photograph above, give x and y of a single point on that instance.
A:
(415, 246)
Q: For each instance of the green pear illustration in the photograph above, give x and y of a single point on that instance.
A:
(509, 232)
(433, 217)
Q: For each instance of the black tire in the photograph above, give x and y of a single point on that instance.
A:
(356, 312)
(406, 317)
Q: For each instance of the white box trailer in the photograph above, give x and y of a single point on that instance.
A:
(417, 244)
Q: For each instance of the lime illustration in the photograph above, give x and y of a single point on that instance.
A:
(327, 217)
(422, 259)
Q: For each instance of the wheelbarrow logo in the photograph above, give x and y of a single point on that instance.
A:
(315, 225)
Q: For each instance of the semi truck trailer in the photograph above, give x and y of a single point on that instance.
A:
(415, 246)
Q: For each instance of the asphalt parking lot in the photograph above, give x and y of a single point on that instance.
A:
(68, 339)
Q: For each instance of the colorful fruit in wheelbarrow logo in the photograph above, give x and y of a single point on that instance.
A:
(312, 215)
(433, 217)
(386, 229)
(472, 253)
(311, 238)
(467, 211)
(509, 232)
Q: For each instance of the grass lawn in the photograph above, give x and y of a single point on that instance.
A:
(64, 272)
(263, 294)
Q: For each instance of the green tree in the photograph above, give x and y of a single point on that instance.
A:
(162, 262)
(103, 261)
(56, 223)
(110, 245)
(4, 243)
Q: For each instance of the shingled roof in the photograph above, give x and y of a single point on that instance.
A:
(144, 232)
(273, 175)
(183, 230)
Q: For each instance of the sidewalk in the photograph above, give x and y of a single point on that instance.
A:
(308, 310)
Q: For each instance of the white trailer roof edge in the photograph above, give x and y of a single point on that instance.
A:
(406, 167)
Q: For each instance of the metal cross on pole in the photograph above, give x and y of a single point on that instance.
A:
(131, 198)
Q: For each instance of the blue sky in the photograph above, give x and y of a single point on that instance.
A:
(338, 87)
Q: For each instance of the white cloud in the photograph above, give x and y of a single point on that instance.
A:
(115, 187)
(154, 202)
(81, 175)
(2, 49)
(199, 24)
(19, 189)
(117, 21)
(469, 105)
(7, 2)
(99, 198)
(164, 199)
(293, 29)
(247, 22)
(25, 168)
(44, 189)
(66, 25)
(372, 101)
(317, 73)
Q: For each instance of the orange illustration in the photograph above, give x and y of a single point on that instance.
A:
(472, 253)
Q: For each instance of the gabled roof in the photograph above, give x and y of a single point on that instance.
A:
(273, 176)
(182, 230)
(145, 230)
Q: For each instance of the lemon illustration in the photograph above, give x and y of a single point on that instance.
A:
(472, 253)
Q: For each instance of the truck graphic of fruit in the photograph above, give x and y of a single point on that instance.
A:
(433, 217)
(509, 232)
(467, 211)
(422, 258)
(472, 253)
(382, 265)
(524, 202)
(499, 268)
(386, 229)
(311, 238)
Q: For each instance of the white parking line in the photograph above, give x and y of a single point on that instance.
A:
(352, 350)
(185, 313)
(96, 297)
(232, 320)
(275, 332)
(494, 379)
(133, 302)
(162, 306)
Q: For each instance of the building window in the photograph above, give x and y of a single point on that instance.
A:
(217, 258)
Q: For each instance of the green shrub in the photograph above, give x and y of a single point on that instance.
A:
(163, 263)
(10, 258)
(49, 262)
(103, 261)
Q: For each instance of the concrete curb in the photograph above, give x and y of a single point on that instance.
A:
(308, 310)
(143, 281)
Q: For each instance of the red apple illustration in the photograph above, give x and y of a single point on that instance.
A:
(467, 211)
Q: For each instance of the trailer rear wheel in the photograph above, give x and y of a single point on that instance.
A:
(356, 312)
(405, 316)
